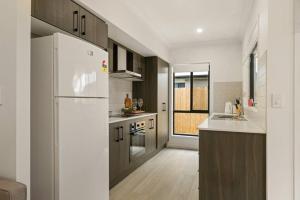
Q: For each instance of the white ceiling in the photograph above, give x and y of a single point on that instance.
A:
(176, 21)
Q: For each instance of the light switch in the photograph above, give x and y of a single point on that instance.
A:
(276, 101)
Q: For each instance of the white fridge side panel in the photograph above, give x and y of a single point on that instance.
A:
(82, 142)
(81, 69)
(42, 119)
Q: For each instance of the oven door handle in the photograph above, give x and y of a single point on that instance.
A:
(142, 133)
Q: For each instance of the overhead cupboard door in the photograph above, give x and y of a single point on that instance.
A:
(82, 162)
(81, 69)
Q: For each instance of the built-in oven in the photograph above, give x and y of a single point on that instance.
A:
(137, 139)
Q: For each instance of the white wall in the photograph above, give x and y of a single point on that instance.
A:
(256, 32)
(224, 57)
(225, 66)
(15, 84)
(297, 100)
(297, 116)
(119, 15)
(280, 78)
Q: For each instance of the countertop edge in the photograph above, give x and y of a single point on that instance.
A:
(122, 119)
(231, 131)
(223, 126)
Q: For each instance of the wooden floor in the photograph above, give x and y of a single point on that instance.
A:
(171, 175)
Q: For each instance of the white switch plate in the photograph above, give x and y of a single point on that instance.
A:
(276, 101)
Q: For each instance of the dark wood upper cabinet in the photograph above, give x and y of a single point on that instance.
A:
(138, 64)
(63, 14)
(45, 10)
(93, 29)
(101, 33)
(68, 16)
(72, 18)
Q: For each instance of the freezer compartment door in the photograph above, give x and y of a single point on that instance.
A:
(82, 162)
(81, 69)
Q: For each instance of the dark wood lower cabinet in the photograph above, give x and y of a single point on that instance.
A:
(151, 135)
(232, 166)
(120, 162)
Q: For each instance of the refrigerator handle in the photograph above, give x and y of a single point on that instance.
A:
(117, 137)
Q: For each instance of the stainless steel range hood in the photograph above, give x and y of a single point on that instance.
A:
(127, 75)
(121, 70)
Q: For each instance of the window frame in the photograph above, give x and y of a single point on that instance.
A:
(252, 73)
(191, 76)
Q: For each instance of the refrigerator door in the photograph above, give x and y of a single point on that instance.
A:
(82, 162)
(81, 69)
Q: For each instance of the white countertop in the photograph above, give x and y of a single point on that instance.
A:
(120, 119)
(230, 126)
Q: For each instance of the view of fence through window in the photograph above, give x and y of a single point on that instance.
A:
(191, 101)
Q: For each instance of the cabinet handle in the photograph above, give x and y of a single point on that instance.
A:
(122, 133)
(164, 107)
(117, 137)
(83, 25)
(151, 124)
(75, 21)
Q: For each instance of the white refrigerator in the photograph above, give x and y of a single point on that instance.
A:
(69, 120)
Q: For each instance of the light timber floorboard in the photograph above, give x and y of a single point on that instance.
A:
(170, 175)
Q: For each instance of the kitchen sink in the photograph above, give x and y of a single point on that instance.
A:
(228, 117)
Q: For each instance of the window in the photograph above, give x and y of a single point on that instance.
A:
(191, 101)
(253, 72)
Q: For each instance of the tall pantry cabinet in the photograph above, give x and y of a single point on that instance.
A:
(155, 92)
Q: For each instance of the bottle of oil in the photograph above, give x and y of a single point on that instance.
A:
(128, 102)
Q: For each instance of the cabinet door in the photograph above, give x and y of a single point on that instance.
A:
(101, 33)
(114, 152)
(63, 14)
(124, 147)
(162, 102)
(138, 64)
(151, 135)
(110, 50)
(93, 29)
(68, 16)
(142, 66)
(45, 10)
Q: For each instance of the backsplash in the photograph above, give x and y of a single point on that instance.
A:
(118, 89)
(224, 92)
